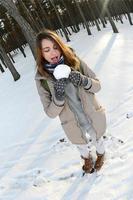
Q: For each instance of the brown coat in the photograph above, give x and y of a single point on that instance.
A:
(94, 111)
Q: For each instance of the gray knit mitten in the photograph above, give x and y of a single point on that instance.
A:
(75, 78)
(78, 79)
(59, 88)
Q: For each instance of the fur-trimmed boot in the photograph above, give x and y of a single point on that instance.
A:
(88, 164)
(99, 161)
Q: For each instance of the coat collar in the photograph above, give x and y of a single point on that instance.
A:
(38, 76)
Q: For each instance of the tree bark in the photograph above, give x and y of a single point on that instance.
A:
(9, 64)
(93, 15)
(61, 23)
(127, 11)
(2, 69)
(42, 12)
(83, 18)
(26, 28)
(105, 11)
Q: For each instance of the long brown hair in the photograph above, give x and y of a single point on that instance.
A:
(68, 54)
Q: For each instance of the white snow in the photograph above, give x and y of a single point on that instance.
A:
(129, 114)
(34, 163)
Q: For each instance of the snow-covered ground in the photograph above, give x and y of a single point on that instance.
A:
(37, 162)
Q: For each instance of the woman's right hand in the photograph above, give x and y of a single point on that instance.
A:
(59, 87)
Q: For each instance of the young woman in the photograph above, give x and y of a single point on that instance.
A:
(72, 99)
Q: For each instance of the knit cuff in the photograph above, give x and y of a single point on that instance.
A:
(88, 85)
(58, 102)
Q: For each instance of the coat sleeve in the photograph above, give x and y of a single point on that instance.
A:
(51, 106)
(95, 83)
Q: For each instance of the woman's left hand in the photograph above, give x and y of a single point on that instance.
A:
(79, 79)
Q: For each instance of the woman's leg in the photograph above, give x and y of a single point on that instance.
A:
(86, 156)
(98, 143)
(100, 150)
(84, 150)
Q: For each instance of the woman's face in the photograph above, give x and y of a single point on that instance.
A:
(50, 51)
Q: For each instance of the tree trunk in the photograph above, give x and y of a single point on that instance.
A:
(38, 6)
(22, 50)
(28, 17)
(115, 30)
(61, 23)
(83, 18)
(10, 56)
(9, 64)
(2, 60)
(93, 15)
(127, 11)
(98, 11)
(26, 28)
(1, 68)
(71, 18)
(105, 11)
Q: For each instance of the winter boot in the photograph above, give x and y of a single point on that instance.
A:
(100, 161)
(88, 164)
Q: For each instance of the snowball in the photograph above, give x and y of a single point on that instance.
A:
(62, 71)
